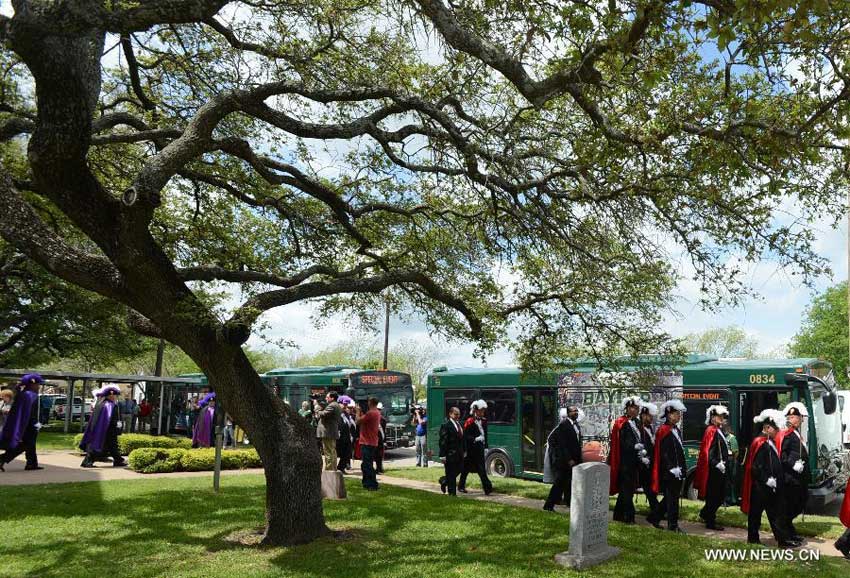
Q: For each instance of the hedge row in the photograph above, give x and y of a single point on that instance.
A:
(129, 442)
(159, 460)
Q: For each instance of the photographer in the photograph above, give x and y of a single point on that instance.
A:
(327, 429)
(420, 420)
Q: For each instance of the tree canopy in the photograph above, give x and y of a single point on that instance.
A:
(533, 164)
(824, 331)
(731, 341)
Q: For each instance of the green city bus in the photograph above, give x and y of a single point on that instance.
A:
(393, 389)
(523, 407)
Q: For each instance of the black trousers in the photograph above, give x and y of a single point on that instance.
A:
(652, 500)
(27, 447)
(453, 469)
(771, 502)
(795, 502)
(110, 448)
(475, 464)
(714, 496)
(624, 509)
(344, 453)
(672, 493)
(561, 488)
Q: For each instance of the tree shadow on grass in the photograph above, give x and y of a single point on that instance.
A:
(173, 527)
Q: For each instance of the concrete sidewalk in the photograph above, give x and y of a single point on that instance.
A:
(824, 546)
(64, 467)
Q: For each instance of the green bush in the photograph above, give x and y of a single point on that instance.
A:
(129, 442)
(158, 460)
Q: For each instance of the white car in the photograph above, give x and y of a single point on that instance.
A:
(76, 411)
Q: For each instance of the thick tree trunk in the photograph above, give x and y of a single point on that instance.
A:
(67, 78)
(284, 441)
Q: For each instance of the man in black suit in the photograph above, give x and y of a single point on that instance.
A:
(767, 483)
(672, 467)
(647, 415)
(451, 450)
(795, 460)
(564, 453)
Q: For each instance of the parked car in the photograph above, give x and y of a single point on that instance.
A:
(59, 408)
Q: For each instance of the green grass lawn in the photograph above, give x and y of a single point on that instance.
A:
(56, 441)
(822, 526)
(178, 527)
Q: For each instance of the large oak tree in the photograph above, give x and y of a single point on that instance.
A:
(539, 163)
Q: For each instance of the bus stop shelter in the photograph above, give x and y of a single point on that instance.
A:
(88, 382)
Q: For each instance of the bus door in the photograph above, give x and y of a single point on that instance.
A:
(539, 417)
(750, 404)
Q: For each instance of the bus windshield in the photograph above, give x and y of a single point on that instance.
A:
(399, 403)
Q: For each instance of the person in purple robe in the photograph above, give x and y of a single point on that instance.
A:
(21, 428)
(102, 430)
(203, 435)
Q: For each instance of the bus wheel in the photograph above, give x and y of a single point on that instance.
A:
(499, 465)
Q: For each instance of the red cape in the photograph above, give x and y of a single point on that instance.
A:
(662, 433)
(614, 454)
(703, 465)
(469, 421)
(780, 435)
(844, 516)
(748, 479)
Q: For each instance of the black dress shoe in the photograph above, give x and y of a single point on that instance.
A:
(843, 547)
(119, 464)
(30, 468)
(2, 466)
(655, 524)
(462, 490)
(715, 527)
(548, 508)
(790, 544)
(443, 485)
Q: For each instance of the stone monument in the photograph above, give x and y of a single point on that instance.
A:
(333, 485)
(588, 518)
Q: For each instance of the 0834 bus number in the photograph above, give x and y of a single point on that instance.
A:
(762, 378)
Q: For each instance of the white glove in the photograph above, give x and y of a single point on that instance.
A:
(771, 482)
(799, 466)
(722, 467)
(638, 447)
(480, 439)
(119, 424)
(37, 425)
(645, 461)
(642, 453)
(677, 472)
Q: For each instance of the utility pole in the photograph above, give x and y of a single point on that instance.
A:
(387, 334)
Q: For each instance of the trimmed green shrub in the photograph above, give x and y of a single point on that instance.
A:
(158, 460)
(129, 442)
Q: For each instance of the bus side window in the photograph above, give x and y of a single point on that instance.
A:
(460, 398)
(501, 406)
